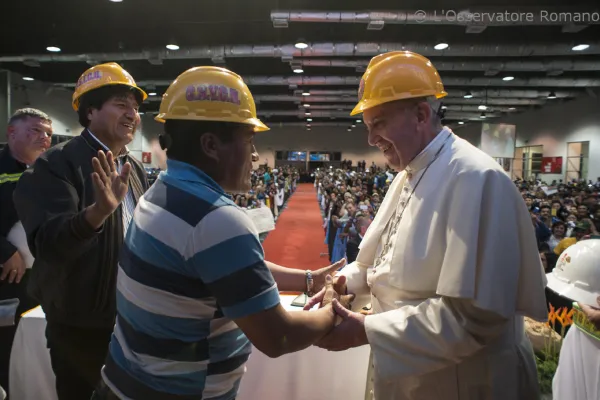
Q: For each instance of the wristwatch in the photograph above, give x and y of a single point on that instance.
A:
(309, 283)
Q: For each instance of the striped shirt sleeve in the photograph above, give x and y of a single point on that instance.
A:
(228, 257)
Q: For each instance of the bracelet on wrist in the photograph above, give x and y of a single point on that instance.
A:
(309, 283)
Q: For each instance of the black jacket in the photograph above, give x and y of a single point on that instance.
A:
(10, 171)
(74, 273)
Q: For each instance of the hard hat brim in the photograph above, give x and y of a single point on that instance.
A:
(570, 291)
(258, 125)
(76, 102)
(370, 103)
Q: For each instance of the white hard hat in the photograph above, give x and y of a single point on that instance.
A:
(577, 272)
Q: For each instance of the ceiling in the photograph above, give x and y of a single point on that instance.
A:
(535, 48)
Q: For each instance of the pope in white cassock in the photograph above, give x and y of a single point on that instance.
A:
(450, 262)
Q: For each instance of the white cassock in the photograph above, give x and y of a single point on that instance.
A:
(578, 373)
(460, 271)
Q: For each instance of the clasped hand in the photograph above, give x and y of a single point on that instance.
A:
(349, 327)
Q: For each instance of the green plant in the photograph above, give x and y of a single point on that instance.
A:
(547, 359)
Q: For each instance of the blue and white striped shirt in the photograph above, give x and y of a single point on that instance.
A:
(191, 263)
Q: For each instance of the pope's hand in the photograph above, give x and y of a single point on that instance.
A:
(349, 331)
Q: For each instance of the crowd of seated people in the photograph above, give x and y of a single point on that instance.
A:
(561, 218)
(561, 213)
(271, 187)
(349, 199)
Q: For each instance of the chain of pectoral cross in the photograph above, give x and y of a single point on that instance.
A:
(394, 221)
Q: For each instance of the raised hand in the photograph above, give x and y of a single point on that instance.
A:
(110, 187)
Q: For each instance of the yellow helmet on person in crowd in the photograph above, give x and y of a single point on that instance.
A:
(210, 94)
(397, 75)
(103, 75)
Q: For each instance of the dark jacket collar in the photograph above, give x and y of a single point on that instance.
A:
(9, 164)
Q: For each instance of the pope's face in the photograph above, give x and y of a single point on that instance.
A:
(400, 129)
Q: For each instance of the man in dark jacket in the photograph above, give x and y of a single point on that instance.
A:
(76, 205)
(28, 133)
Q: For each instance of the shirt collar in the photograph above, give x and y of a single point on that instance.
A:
(429, 152)
(187, 172)
(124, 150)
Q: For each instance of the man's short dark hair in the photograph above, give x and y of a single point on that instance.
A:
(182, 139)
(24, 113)
(98, 97)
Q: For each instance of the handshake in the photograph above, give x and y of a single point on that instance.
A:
(334, 292)
(348, 328)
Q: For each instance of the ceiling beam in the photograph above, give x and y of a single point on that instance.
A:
(322, 49)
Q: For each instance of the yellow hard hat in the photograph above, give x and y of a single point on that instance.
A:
(397, 75)
(210, 94)
(103, 75)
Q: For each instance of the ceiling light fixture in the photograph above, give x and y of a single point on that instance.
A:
(511, 108)
(115, 1)
(151, 94)
(482, 107)
(349, 129)
(309, 119)
(354, 126)
(53, 49)
(305, 94)
(358, 121)
(172, 47)
(468, 95)
(301, 44)
(482, 116)
(298, 70)
(461, 123)
(306, 113)
(581, 47)
(552, 95)
(508, 78)
(441, 46)
(27, 78)
(306, 105)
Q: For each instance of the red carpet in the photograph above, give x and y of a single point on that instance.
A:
(298, 238)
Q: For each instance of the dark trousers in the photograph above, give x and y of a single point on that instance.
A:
(7, 333)
(77, 356)
(331, 238)
(351, 251)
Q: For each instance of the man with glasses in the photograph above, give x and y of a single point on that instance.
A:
(28, 133)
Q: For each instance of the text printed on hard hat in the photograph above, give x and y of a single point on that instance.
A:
(92, 76)
(212, 93)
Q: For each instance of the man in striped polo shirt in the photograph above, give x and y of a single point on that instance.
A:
(194, 292)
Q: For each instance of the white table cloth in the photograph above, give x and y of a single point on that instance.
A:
(311, 374)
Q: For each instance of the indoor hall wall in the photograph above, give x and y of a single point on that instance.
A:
(57, 104)
(553, 127)
(353, 145)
